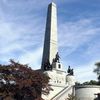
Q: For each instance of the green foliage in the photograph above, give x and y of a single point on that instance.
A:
(97, 71)
(20, 81)
(91, 82)
(77, 83)
(71, 97)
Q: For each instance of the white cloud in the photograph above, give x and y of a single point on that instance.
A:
(72, 37)
(22, 28)
(33, 58)
(74, 34)
(20, 38)
(85, 73)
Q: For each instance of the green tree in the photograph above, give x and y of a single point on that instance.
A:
(77, 83)
(71, 97)
(97, 71)
(20, 82)
(91, 82)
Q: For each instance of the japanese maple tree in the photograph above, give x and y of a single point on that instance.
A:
(20, 82)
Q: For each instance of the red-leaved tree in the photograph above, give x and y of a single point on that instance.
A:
(20, 82)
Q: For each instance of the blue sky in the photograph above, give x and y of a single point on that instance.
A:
(22, 28)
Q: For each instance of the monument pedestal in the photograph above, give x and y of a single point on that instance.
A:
(57, 80)
(57, 65)
(70, 79)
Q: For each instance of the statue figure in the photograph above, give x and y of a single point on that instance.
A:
(70, 71)
(47, 65)
(57, 57)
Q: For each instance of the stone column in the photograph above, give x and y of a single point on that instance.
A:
(50, 42)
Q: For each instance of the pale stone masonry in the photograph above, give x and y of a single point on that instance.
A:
(61, 84)
(50, 43)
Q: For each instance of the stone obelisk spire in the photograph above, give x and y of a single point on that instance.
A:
(50, 42)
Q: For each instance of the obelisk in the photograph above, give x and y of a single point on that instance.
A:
(50, 42)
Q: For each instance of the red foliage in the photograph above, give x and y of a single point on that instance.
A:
(20, 82)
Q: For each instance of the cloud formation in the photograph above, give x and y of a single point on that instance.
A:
(22, 27)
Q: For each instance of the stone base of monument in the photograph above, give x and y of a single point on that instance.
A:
(70, 79)
(61, 83)
(57, 65)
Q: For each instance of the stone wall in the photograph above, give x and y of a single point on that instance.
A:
(87, 92)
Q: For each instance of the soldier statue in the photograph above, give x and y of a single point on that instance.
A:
(70, 71)
(47, 65)
(57, 57)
